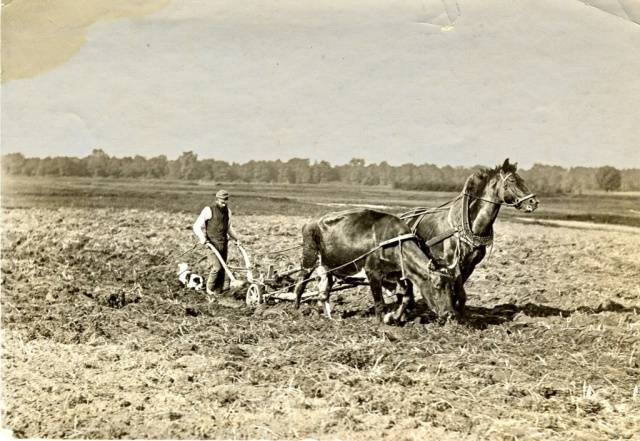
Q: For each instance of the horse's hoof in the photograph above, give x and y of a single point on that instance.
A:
(327, 309)
(388, 318)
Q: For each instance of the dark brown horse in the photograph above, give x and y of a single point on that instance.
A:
(380, 244)
(460, 234)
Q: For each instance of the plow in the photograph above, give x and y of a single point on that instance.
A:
(274, 284)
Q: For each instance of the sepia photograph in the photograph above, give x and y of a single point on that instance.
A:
(320, 220)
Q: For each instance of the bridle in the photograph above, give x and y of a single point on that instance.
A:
(503, 179)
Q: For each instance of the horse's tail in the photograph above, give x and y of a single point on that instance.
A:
(310, 253)
(310, 245)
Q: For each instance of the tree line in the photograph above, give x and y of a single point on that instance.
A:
(428, 177)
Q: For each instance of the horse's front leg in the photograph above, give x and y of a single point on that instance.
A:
(466, 269)
(392, 288)
(460, 299)
(406, 300)
(472, 261)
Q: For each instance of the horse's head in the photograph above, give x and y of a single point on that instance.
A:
(437, 289)
(512, 190)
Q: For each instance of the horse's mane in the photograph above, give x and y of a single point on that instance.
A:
(480, 178)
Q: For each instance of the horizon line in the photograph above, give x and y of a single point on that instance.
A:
(315, 160)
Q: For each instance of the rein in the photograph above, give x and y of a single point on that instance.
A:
(399, 240)
(421, 212)
(387, 243)
(506, 204)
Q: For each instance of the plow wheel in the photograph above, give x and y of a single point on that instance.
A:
(254, 295)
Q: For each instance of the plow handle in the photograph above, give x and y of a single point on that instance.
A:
(222, 262)
(247, 262)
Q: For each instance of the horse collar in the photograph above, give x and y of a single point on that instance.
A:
(467, 233)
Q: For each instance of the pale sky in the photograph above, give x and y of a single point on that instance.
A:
(440, 82)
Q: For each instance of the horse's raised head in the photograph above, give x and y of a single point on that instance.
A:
(513, 190)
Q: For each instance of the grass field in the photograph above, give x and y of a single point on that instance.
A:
(100, 341)
(178, 196)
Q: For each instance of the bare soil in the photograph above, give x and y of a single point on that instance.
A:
(100, 341)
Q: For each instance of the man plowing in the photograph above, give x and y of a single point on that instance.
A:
(213, 225)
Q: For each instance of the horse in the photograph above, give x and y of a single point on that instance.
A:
(382, 245)
(461, 233)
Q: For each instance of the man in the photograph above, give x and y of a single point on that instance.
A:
(216, 223)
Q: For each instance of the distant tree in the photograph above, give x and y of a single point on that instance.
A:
(356, 171)
(157, 167)
(13, 163)
(261, 171)
(116, 166)
(544, 178)
(299, 171)
(185, 167)
(608, 178)
(579, 179)
(283, 173)
(429, 173)
(46, 167)
(66, 166)
(385, 171)
(31, 167)
(253, 171)
(323, 172)
(406, 174)
(223, 171)
(97, 163)
(630, 179)
(540, 178)
(371, 175)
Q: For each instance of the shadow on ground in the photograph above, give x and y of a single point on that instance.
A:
(479, 317)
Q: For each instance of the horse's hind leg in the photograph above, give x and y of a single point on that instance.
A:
(301, 284)
(375, 283)
(324, 289)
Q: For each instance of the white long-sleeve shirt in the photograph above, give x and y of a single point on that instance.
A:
(201, 222)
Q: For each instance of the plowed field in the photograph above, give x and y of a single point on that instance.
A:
(100, 341)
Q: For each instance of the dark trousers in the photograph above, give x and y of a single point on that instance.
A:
(218, 280)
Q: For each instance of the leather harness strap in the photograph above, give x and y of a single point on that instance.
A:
(399, 240)
(414, 228)
(463, 230)
(441, 237)
(394, 240)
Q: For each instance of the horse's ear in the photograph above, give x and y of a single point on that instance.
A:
(506, 166)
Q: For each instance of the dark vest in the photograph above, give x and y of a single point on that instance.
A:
(218, 226)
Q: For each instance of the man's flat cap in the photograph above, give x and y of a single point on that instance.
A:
(222, 194)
